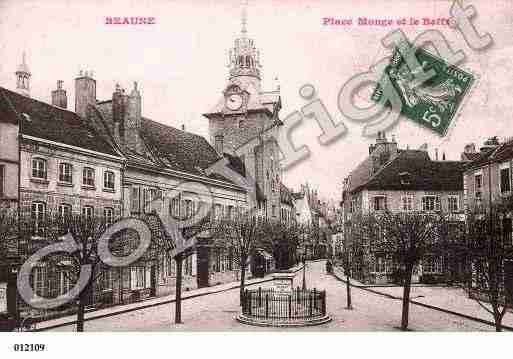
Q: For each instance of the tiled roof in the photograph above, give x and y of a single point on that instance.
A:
(42, 120)
(413, 170)
(501, 153)
(172, 148)
(180, 150)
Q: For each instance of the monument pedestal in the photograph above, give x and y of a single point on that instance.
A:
(283, 282)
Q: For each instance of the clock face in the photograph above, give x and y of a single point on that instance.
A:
(234, 101)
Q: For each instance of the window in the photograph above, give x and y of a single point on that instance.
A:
(430, 203)
(135, 204)
(38, 277)
(106, 280)
(230, 212)
(380, 203)
(217, 211)
(2, 176)
(187, 262)
(273, 210)
(108, 214)
(189, 210)
(65, 173)
(88, 212)
(352, 206)
(64, 211)
(216, 265)
(170, 267)
(452, 204)
(380, 265)
(108, 180)
(507, 230)
(505, 180)
(138, 277)
(66, 284)
(39, 168)
(478, 185)
(38, 217)
(175, 207)
(407, 203)
(432, 264)
(88, 177)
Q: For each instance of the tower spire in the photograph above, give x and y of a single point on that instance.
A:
(23, 77)
(244, 20)
(244, 58)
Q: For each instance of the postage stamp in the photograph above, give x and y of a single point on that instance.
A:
(434, 102)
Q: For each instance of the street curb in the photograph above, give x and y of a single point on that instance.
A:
(447, 311)
(124, 311)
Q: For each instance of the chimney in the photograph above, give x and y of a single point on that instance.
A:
(382, 152)
(85, 92)
(133, 119)
(436, 154)
(470, 148)
(443, 156)
(490, 144)
(59, 97)
(219, 143)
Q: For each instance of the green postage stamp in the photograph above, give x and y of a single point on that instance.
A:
(434, 102)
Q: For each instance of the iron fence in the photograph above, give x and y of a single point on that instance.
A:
(298, 304)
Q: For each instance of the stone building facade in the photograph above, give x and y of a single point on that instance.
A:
(400, 180)
(245, 123)
(64, 168)
(487, 177)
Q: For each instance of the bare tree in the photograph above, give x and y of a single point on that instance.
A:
(241, 234)
(282, 240)
(404, 237)
(8, 233)
(86, 232)
(490, 255)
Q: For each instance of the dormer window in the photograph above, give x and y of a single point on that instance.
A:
(405, 178)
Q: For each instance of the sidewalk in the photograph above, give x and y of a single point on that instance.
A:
(451, 300)
(125, 308)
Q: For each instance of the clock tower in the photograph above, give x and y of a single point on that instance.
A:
(246, 114)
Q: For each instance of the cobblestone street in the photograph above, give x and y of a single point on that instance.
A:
(217, 312)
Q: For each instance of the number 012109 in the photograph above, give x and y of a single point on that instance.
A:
(29, 347)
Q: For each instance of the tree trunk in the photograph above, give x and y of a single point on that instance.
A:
(498, 324)
(83, 300)
(498, 319)
(80, 314)
(178, 290)
(406, 296)
(348, 289)
(242, 282)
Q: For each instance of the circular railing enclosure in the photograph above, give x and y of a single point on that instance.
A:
(267, 307)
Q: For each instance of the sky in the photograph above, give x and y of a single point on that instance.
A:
(180, 64)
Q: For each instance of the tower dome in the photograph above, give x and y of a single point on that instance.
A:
(244, 58)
